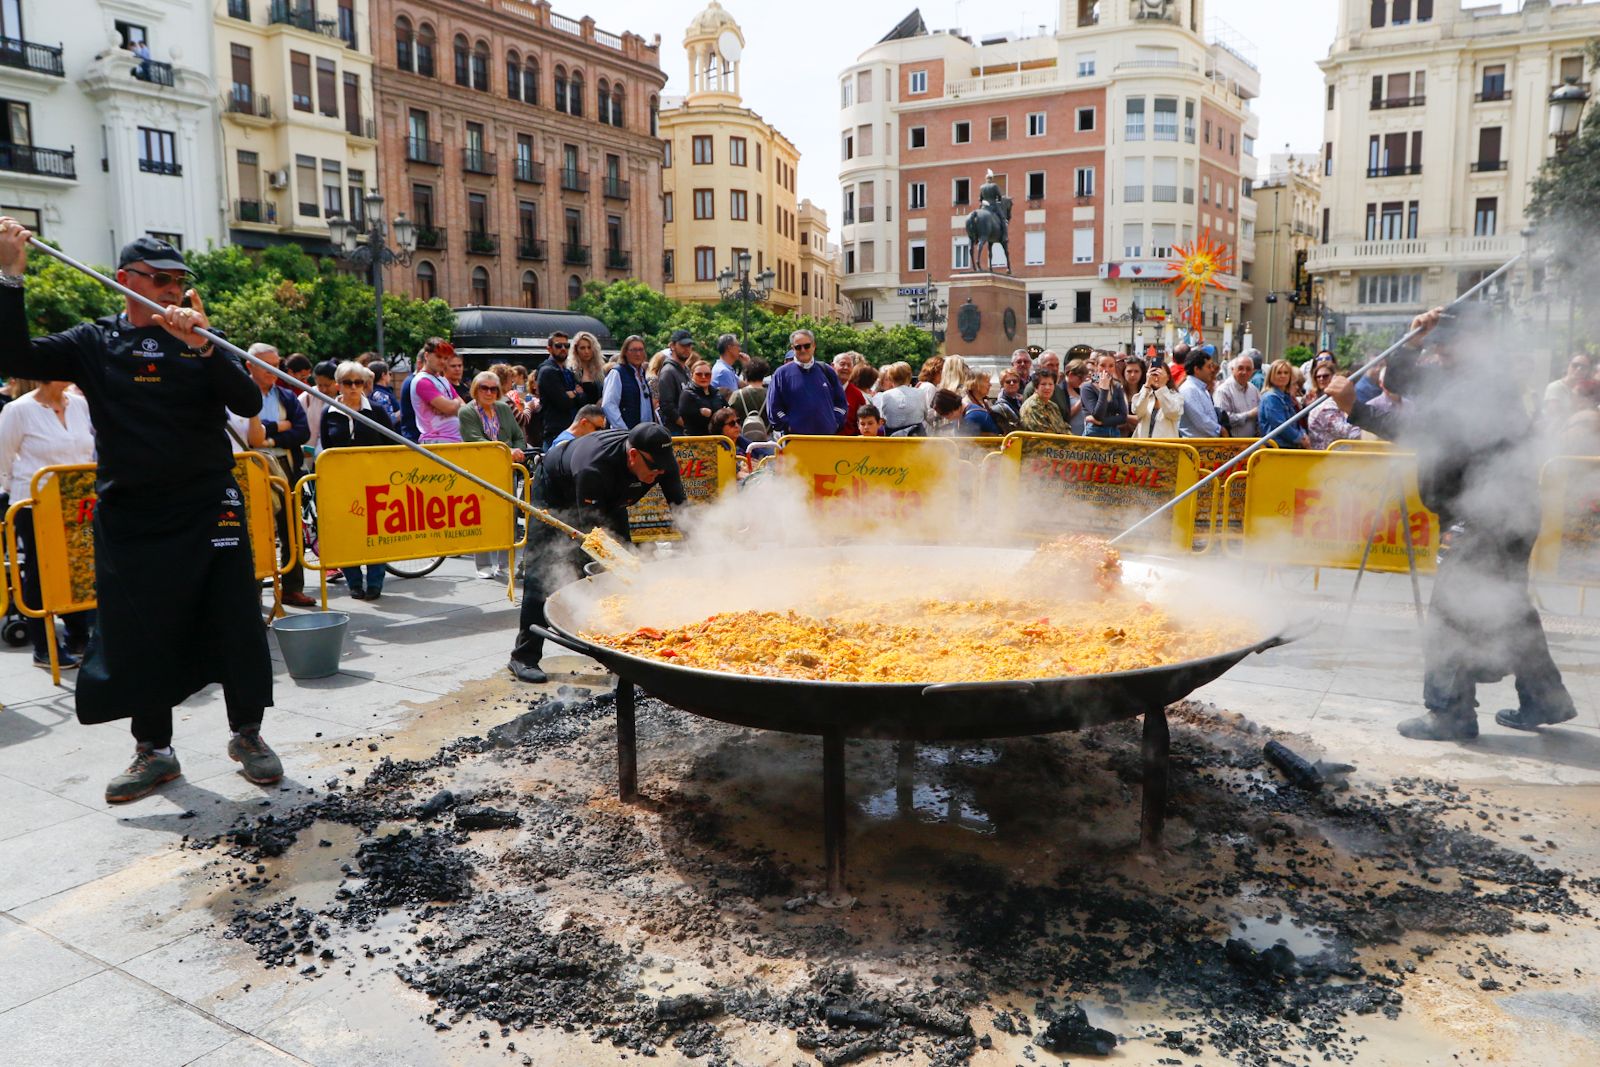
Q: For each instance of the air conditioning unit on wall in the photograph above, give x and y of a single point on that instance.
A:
(278, 179)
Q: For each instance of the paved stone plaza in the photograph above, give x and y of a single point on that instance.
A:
(111, 947)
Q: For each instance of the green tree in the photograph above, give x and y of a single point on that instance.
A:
(219, 273)
(1298, 354)
(407, 323)
(59, 297)
(268, 312)
(1565, 201)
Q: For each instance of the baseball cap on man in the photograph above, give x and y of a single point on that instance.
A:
(682, 337)
(652, 439)
(153, 252)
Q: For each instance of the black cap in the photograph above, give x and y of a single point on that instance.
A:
(682, 337)
(655, 442)
(154, 252)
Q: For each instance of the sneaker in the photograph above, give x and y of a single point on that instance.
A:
(486, 572)
(1441, 726)
(64, 659)
(261, 764)
(525, 673)
(148, 770)
(1533, 718)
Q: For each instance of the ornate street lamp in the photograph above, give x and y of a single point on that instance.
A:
(735, 284)
(929, 312)
(1566, 112)
(365, 247)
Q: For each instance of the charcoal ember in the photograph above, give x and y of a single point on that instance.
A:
(687, 1008)
(482, 817)
(1070, 1034)
(855, 1050)
(859, 1018)
(936, 1019)
(1278, 960)
(435, 805)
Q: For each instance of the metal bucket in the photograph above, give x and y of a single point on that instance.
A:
(311, 643)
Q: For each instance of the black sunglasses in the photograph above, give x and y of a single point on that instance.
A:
(162, 278)
(351, 381)
(801, 348)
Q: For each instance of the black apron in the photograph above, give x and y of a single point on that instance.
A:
(179, 604)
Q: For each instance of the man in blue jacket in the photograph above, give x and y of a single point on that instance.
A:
(805, 396)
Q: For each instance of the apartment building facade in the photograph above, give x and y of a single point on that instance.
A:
(820, 293)
(1437, 121)
(1121, 136)
(1288, 201)
(300, 142)
(101, 145)
(730, 177)
(523, 144)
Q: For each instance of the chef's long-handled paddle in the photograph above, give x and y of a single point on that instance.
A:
(597, 543)
(1299, 416)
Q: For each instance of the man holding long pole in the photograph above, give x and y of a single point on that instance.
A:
(177, 594)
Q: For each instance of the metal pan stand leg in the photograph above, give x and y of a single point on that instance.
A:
(627, 745)
(833, 814)
(1155, 751)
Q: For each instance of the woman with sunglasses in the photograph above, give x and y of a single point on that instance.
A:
(1327, 424)
(490, 418)
(341, 431)
(699, 401)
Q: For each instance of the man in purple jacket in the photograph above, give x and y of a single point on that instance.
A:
(805, 396)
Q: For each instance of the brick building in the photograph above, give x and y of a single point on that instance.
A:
(523, 143)
(1123, 134)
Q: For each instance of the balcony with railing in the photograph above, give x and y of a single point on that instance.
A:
(421, 150)
(617, 259)
(430, 238)
(262, 212)
(576, 255)
(1410, 252)
(1387, 103)
(1164, 194)
(1394, 170)
(44, 162)
(25, 55)
(531, 248)
(616, 188)
(245, 102)
(477, 161)
(1133, 194)
(356, 126)
(530, 171)
(154, 72)
(574, 181)
(1487, 166)
(1491, 96)
(303, 16)
(482, 243)
(161, 166)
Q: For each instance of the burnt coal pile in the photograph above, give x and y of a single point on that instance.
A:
(1002, 909)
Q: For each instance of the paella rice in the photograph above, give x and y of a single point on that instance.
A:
(937, 640)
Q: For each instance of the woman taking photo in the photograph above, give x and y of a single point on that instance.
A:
(489, 418)
(1278, 407)
(1133, 375)
(1104, 405)
(45, 427)
(1157, 406)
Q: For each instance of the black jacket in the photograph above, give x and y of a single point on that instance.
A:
(589, 478)
(556, 407)
(341, 431)
(670, 384)
(691, 402)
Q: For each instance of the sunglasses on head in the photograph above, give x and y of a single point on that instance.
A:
(162, 278)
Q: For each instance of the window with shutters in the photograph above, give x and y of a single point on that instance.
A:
(427, 281)
(1489, 150)
(242, 96)
(300, 80)
(1083, 181)
(1033, 248)
(328, 88)
(916, 196)
(702, 149)
(332, 189)
(1483, 216)
(355, 184)
(352, 106)
(736, 151)
(739, 205)
(705, 264)
(705, 203)
(1134, 130)
(158, 152)
(305, 181)
(961, 254)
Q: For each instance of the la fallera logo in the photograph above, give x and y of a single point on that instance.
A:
(414, 511)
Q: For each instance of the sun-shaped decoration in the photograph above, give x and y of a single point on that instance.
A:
(1197, 267)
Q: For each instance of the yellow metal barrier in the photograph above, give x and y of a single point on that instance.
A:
(1319, 509)
(1213, 519)
(1568, 549)
(1098, 485)
(706, 466)
(1360, 444)
(871, 481)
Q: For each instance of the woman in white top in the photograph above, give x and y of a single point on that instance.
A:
(1157, 405)
(903, 406)
(48, 427)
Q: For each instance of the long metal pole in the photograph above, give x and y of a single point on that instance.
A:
(1299, 416)
(377, 249)
(298, 386)
(1272, 294)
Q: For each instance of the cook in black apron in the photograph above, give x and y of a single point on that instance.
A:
(589, 481)
(179, 605)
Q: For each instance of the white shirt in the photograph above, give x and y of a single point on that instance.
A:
(32, 437)
(315, 404)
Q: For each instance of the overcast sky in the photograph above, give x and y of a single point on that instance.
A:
(794, 52)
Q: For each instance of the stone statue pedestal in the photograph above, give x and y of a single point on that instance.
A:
(988, 315)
